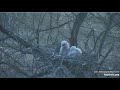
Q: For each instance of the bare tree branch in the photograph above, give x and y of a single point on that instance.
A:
(23, 42)
(57, 26)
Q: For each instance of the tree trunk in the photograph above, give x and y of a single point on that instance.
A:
(76, 26)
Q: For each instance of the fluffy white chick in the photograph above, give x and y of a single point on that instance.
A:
(64, 49)
(74, 51)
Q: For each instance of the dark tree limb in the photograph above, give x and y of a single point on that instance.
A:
(14, 37)
(26, 44)
(108, 28)
(106, 55)
(76, 26)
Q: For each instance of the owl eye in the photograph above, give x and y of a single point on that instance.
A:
(63, 44)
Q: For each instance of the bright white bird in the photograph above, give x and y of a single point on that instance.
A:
(65, 47)
(74, 51)
(66, 50)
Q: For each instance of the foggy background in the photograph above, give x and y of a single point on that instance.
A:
(30, 43)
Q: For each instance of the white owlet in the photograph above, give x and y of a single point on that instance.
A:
(64, 49)
(74, 51)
